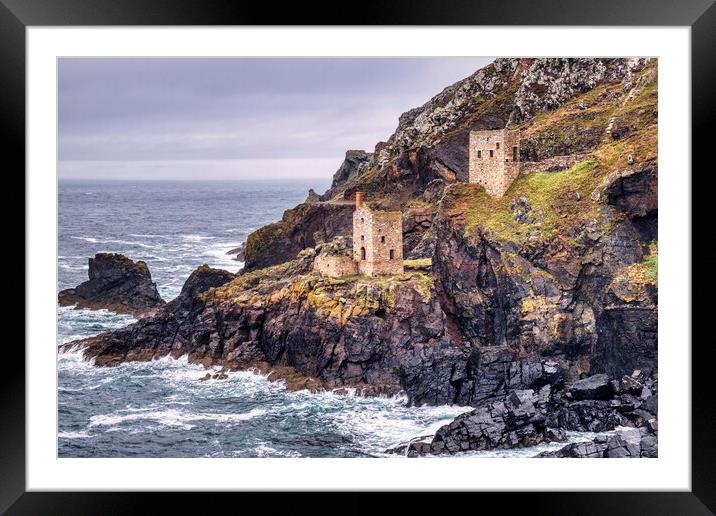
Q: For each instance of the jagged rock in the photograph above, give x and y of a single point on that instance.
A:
(627, 408)
(633, 190)
(517, 420)
(355, 163)
(413, 448)
(434, 190)
(312, 196)
(522, 211)
(238, 252)
(302, 227)
(115, 283)
(625, 443)
(199, 281)
(587, 416)
(597, 387)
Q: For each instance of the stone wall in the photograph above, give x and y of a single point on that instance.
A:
(553, 164)
(494, 159)
(377, 241)
(335, 266)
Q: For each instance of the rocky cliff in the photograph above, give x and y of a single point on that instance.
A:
(516, 297)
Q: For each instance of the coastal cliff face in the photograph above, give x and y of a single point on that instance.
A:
(516, 298)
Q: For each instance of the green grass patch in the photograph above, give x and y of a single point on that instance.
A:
(552, 197)
(419, 263)
(651, 263)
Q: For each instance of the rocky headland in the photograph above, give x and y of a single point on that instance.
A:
(537, 309)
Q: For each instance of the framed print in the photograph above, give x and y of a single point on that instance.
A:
(419, 252)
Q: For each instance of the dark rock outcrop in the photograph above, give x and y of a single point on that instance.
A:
(302, 227)
(115, 283)
(513, 421)
(624, 443)
(413, 448)
(355, 163)
(237, 252)
(198, 282)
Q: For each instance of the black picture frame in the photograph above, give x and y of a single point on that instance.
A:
(700, 15)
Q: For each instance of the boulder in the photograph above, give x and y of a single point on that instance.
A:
(597, 387)
(115, 283)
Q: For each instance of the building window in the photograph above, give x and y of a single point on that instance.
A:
(361, 220)
(492, 153)
(392, 254)
(382, 240)
(362, 237)
(497, 145)
(479, 154)
(514, 153)
(362, 253)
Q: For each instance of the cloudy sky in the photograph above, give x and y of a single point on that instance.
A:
(235, 118)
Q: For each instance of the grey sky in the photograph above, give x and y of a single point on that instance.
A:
(205, 118)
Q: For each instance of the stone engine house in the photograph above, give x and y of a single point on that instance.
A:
(494, 159)
(377, 240)
(377, 245)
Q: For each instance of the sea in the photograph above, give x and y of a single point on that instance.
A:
(162, 408)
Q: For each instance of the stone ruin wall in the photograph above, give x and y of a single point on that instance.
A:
(335, 266)
(494, 172)
(362, 232)
(378, 233)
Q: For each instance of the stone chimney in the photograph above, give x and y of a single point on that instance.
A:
(359, 199)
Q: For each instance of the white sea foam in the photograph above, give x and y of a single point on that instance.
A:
(196, 238)
(83, 434)
(264, 450)
(141, 235)
(94, 240)
(172, 417)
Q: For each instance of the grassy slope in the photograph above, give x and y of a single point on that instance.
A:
(561, 202)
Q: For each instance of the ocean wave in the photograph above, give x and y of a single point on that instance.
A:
(142, 235)
(73, 267)
(82, 434)
(264, 450)
(172, 418)
(196, 238)
(94, 240)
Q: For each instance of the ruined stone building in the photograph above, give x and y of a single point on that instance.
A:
(494, 159)
(377, 245)
(377, 240)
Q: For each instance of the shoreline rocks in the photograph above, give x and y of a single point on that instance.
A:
(517, 420)
(116, 283)
(625, 443)
(237, 252)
